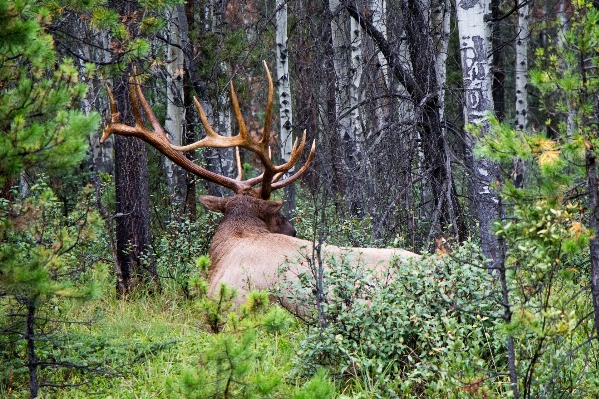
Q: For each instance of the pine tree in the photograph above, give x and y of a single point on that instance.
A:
(41, 132)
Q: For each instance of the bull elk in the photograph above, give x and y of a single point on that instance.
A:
(253, 240)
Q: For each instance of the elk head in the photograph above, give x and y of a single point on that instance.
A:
(263, 212)
(249, 215)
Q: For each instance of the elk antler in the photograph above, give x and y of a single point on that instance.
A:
(158, 139)
(272, 173)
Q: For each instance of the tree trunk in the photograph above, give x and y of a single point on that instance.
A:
(285, 106)
(560, 41)
(348, 70)
(522, 67)
(102, 154)
(497, 57)
(133, 238)
(220, 161)
(134, 250)
(478, 105)
(190, 199)
(175, 111)
(379, 15)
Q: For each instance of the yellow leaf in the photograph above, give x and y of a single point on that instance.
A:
(576, 228)
(548, 157)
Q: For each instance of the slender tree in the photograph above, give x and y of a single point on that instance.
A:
(285, 106)
(175, 110)
(521, 69)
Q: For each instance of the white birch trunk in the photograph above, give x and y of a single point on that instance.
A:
(285, 106)
(220, 161)
(283, 84)
(175, 111)
(341, 65)
(355, 77)
(522, 67)
(478, 105)
(347, 61)
(441, 15)
(379, 16)
(476, 68)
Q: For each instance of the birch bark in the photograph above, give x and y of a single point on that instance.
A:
(379, 16)
(348, 71)
(478, 104)
(285, 107)
(441, 15)
(175, 111)
(220, 161)
(475, 37)
(522, 67)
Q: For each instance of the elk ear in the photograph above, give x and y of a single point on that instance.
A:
(215, 204)
(270, 207)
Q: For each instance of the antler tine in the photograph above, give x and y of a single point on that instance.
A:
(133, 98)
(299, 173)
(243, 132)
(239, 165)
(114, 116)
(137, 95)
(296, 152)
(268, 115)
(212, 139)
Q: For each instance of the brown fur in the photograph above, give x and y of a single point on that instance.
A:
(246, 251)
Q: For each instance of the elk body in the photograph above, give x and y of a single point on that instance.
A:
(248, 249)
(253, 240)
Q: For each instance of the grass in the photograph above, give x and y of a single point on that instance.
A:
(148, 344)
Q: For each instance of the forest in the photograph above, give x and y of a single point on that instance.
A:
(409, 190)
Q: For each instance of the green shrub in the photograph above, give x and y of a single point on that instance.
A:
(412, 330)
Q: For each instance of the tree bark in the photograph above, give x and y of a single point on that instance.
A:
(347, 61)
(134, 250)
(175, 111)
(497, 59)
(285, 106)
(133, 237)
(560, 41)
(478, 105)
(522, 67)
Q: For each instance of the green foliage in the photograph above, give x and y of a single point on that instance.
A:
(244, 363)
(39, 126)
(398, 332)
(277, 320)
(319, 387)
(46, 258)
(179, 252)
(547, 233)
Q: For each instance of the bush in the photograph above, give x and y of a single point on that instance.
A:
(412, 330)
